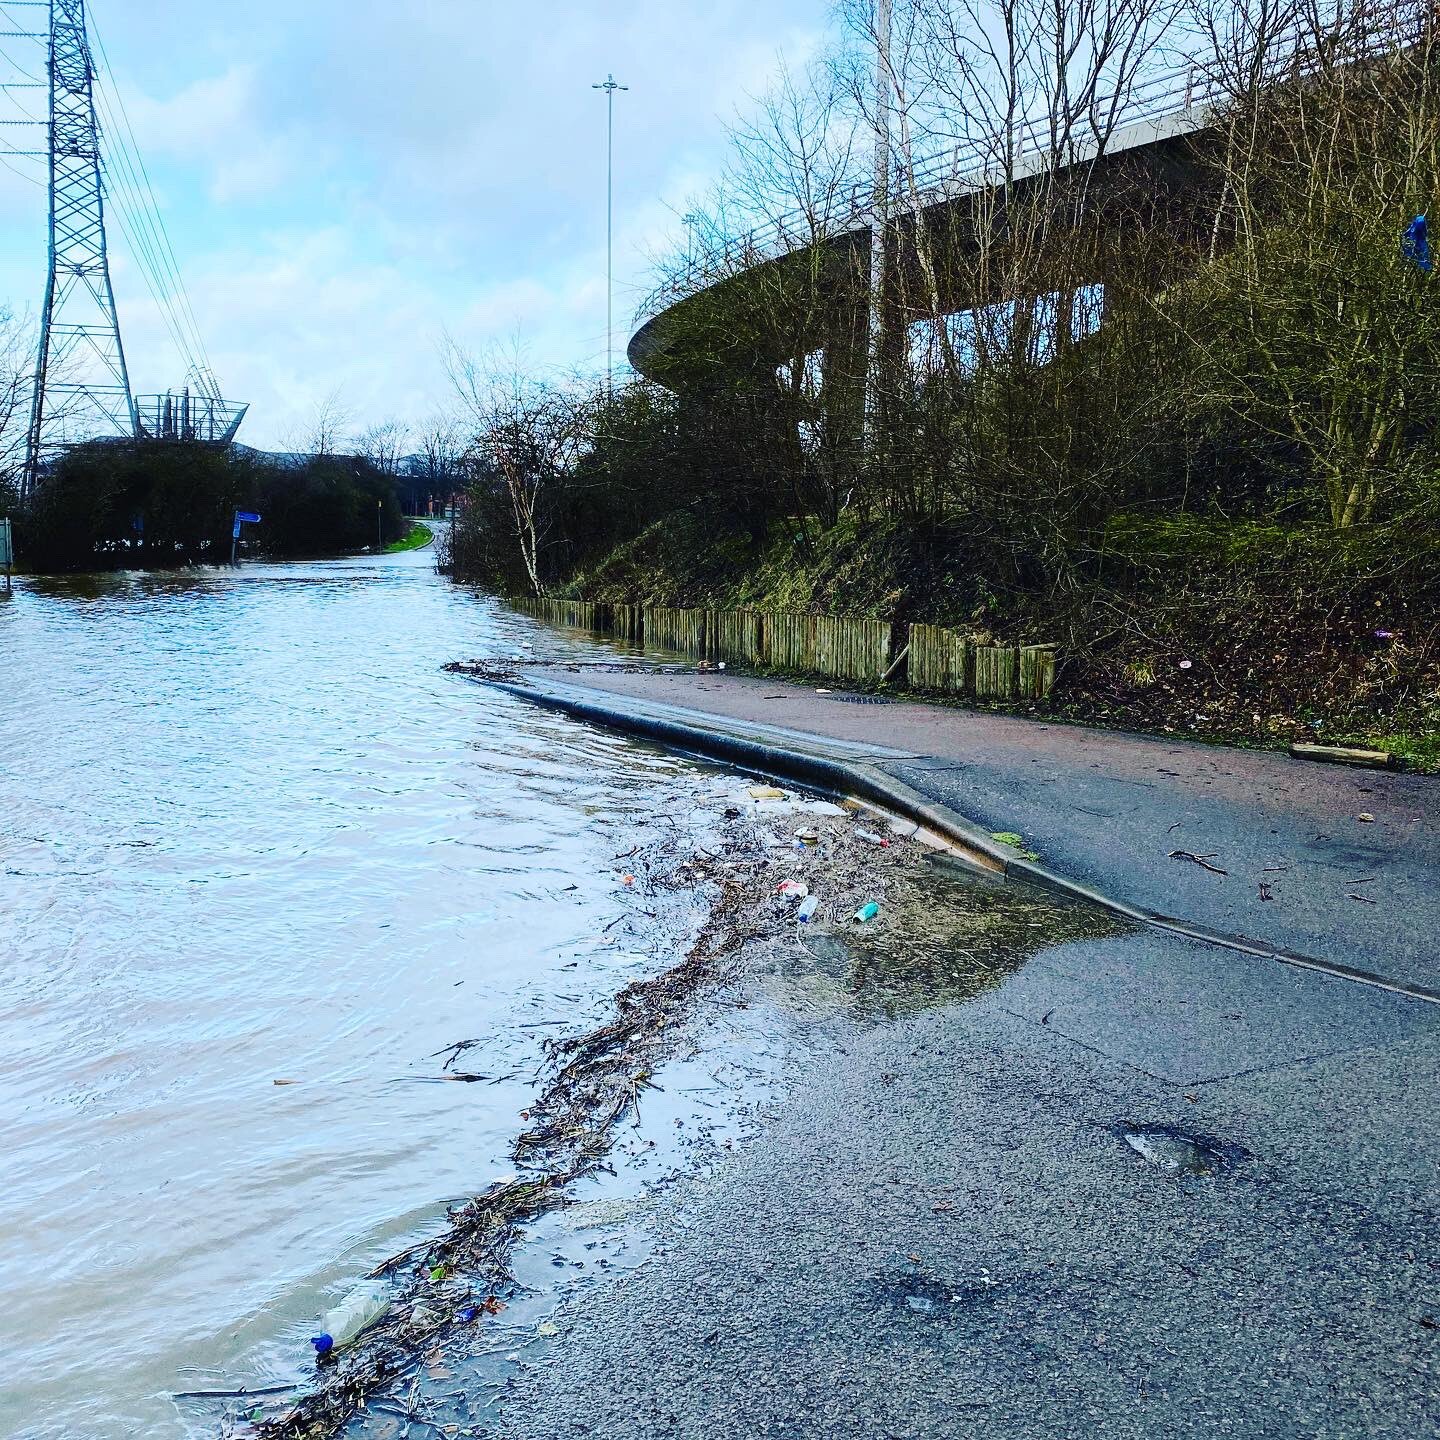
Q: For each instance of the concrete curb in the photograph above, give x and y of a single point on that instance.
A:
(869, 782)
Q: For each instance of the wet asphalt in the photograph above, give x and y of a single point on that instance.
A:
(942, 1231)
(1302, 870)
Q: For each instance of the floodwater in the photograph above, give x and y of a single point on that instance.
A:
(260, 860)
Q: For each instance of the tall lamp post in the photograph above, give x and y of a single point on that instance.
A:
(609, 86)
(690, 220)
(880, 238)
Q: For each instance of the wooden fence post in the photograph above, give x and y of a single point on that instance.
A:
(1037, 671)
(936, 658)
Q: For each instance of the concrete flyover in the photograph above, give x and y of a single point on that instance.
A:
(1155, 154)
(805, 289)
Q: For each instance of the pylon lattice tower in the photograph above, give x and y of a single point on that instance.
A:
(82, 384)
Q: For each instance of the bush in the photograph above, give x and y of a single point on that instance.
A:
(326, 506)
(113, 504)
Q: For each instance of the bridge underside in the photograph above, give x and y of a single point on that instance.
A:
(1034, 265)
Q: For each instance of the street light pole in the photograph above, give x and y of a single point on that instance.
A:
(609, 86)
(880, 260)
(690, 220)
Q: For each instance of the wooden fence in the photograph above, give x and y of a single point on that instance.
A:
(628, 622)
(788, 642)
(580, 613)
(935, 658)
(738, 636)
(682, 630)
(939, 659)
(851, 649)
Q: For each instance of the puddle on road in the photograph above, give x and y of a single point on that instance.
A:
(946, 939)
(1176, 1152)
(939, 939)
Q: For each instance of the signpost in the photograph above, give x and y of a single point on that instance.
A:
(242, 517)
(7, 549)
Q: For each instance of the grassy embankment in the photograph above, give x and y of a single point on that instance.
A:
(1229, 632)
(417, 537)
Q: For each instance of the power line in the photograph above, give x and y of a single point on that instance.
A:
(80, 370)
(133, 195)
(139, 229)
(19, 69)
(167, 311)
(30, 179)
(145, 229)
(167, 251)
(81, 376)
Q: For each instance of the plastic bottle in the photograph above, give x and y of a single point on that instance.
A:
(868, 911)
(359, 1310)
(808, 906)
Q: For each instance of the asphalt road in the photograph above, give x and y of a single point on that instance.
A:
(1302, 870)
(943, 1232)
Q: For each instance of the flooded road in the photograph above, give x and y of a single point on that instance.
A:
(259, 861)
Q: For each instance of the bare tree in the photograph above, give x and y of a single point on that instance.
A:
(530, 430)
(384, 444)
(792, 169)
(440, 449)
(1325, 336)
(325, 430)
(17, 362)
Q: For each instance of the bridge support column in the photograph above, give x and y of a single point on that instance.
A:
(844, 394)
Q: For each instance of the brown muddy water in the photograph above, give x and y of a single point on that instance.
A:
(259, 861)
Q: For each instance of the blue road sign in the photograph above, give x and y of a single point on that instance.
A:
(246, 517)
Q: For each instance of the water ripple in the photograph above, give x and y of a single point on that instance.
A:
(250, 833)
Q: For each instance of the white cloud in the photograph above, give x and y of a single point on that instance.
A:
(345, 183)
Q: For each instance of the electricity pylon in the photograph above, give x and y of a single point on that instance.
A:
(81, 382)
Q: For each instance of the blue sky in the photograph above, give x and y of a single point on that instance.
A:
(344, 183)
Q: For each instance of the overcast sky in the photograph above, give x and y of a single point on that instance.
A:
(345, 181)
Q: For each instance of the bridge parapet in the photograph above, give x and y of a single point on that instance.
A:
(1167, 102)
